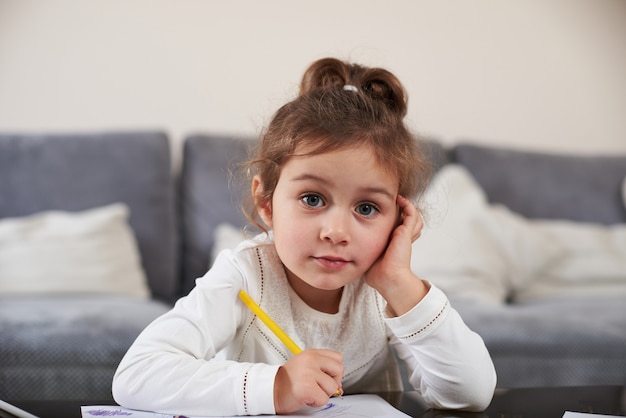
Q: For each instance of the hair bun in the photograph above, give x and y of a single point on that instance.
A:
(377, 83)
(382, 85)
(326, 73)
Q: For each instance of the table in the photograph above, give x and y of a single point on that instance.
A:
(527, 403)
(506, 403)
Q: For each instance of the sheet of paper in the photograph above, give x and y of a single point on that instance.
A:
(569, 414)
(94, 411)
(355, 406)
(14, 410)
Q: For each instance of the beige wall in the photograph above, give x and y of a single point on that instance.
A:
(533, 74)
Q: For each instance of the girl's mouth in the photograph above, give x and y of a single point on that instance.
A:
(331, 263)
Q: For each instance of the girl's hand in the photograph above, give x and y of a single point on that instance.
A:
(391, 274)
(308, 378)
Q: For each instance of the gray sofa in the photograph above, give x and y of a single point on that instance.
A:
(67, 346)
(58, 346)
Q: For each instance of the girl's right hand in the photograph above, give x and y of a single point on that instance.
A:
(308, 378)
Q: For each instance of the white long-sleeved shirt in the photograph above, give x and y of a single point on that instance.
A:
(210, 355)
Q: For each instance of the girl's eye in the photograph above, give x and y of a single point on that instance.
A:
(312, 200)
(366, 209)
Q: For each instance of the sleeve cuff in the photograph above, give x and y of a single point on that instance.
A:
(422, 318)
(258, 389)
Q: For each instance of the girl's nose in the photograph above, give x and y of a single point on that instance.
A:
(335, 228)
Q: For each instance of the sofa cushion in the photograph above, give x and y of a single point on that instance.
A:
(210, 194)
(540, 185)
(624, 192)
(67, 347)
(92, 251)
(82, 171)
(554, 342)
(437, 154)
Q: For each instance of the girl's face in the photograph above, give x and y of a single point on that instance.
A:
(332, 215)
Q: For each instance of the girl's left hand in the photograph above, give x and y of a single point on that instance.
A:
(391, 274)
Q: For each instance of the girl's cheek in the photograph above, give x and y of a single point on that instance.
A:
(381, 247)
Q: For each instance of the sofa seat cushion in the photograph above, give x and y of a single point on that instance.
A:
(553, 342)
(67, 347)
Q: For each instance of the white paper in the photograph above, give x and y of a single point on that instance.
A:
(569, 414)
(361, 406)
(14, 410)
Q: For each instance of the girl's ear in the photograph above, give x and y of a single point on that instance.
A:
(263, 206)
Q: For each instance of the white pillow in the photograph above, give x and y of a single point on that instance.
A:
(593, 264)
(474, 250)
(93, 251)
(226, 237)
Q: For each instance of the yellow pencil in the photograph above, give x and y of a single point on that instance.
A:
(256, 309)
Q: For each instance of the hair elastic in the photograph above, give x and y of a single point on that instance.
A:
(350, 87)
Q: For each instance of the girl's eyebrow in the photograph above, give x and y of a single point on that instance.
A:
(307, 177)
(313, 177)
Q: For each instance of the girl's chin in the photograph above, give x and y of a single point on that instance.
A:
(330, 284)
(320, 285)
(332, 288)
(321, 281)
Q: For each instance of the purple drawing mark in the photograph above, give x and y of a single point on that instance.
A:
(108, 412)
(334, 410)
(329, 405)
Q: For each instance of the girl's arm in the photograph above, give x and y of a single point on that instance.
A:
(171, 367)
(448, 363)
(451, 365)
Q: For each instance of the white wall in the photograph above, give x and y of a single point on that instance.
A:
(532, 74)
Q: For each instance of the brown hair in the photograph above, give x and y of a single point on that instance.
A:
(340, 106)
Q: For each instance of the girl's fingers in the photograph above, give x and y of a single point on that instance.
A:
(309, 378)
(417, 229)
(330, 381)
(411, 217)
(330, 388)
(331, 365)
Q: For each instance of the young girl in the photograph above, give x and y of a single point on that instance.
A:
(331, 186)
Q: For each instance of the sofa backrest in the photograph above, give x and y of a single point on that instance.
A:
(209, 195)
(82, 171)
(582, 188)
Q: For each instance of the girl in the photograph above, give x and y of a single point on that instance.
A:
(331, 187)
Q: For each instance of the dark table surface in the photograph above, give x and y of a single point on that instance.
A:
(506, 403)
